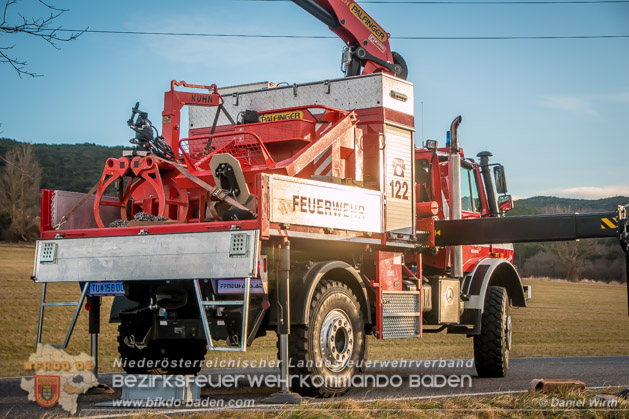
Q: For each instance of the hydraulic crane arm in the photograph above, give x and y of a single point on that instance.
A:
(531, 228)
(367, 42)
(537, 228)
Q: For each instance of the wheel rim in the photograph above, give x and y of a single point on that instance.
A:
(336, 340)
(508, 332)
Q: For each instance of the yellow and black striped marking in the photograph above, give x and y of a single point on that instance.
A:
(609, 222)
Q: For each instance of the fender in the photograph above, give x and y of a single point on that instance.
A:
(492, 272)
(305, 277)
(488, 272)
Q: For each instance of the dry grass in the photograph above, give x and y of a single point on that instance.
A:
(19, 305)
(563, 319)
(525, 405)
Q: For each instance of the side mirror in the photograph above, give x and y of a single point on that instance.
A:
(501, 179)
(505, 203)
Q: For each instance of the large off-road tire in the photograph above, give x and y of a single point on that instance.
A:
(161, 353)
(328, 351)
(492, 346)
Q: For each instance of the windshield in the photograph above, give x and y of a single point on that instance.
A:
(470, 198)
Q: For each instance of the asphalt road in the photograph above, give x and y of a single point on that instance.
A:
(391, 383)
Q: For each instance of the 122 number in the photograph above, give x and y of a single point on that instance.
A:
(399, 189)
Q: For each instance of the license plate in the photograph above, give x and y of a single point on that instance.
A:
(106, 288)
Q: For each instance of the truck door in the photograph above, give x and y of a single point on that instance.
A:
(471, 207)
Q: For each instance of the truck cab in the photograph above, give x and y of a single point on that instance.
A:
(478, 199)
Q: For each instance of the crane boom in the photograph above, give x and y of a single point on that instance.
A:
(367, 43)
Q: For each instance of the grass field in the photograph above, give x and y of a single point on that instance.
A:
(562, 319)
(525, 405)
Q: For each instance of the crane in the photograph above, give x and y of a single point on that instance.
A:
(367, 43)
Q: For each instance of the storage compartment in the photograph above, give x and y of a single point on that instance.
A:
(445, 301)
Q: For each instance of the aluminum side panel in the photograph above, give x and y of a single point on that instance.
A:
(64, 201)
(392, 89)
(148, 257)
(360, 92)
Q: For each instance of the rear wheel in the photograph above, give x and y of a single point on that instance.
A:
(492, 346)
(326, 353)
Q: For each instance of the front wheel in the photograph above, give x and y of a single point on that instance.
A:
(327, 352)
(492, 346)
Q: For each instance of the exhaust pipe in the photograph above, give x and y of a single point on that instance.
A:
(483, 163)
(455, 193)
(454, 134)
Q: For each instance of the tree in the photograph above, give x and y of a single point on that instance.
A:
(573, 256)
(19, 191)
(39, 27)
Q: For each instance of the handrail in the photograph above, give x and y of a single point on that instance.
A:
(210, 88)
(265, 153)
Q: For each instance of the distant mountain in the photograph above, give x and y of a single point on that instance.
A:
(554, 205)
(70, 167)
(600, 259)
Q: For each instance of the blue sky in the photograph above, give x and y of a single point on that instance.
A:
(554, 112)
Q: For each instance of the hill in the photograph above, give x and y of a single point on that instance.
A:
(600, 259)
(554, 205)
(71, 167)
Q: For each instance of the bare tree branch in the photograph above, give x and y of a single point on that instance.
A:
(18, 65)
(39, 27)
(19, 191)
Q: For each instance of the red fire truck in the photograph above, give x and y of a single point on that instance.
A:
(306, 209)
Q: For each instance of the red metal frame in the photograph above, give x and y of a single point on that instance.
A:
(174, 100)
(148, 181)
(45, 206)
(289, 147)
